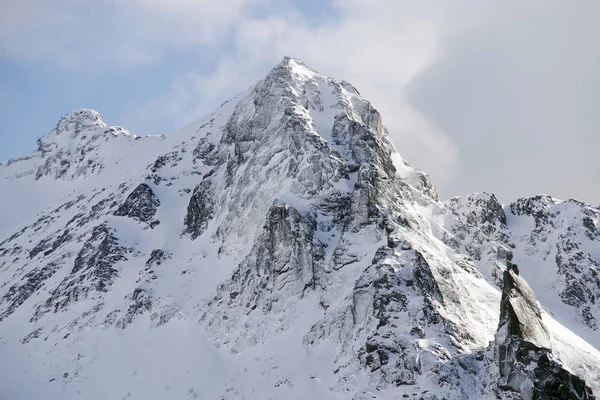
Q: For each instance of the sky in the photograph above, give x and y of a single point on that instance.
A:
(501, 96)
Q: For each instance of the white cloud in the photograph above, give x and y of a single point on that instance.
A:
(98, 34)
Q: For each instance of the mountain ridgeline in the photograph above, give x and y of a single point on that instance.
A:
(280, 247)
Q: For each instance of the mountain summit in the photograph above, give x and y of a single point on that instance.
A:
(280, 247)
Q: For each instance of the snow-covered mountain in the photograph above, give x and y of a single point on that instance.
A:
(558, 244)
(281, 248)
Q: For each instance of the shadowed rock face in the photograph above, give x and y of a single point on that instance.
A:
(283, 262)
(480, 209)
(93, 270)
(525, 361)
(199, 211)
(140, 205)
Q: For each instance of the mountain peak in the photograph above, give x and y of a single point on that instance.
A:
(287, 60)
(290, 69)
(70, 126)
(77, 139)
(80, 120)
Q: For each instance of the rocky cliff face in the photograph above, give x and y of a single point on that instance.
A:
(525, 360)
(279, 247)
(558, 245)
(140, 205)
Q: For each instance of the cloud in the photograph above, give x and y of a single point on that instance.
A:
(517, 97)
(95, 34)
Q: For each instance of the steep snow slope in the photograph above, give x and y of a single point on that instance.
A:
(279, 247)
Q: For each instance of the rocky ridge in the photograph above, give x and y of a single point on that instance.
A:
(557, 242)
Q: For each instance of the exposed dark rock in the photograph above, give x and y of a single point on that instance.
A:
(199, 211)
(282, 255)
(524, 358)
(14, 236)
(48, 246)
(140, 302)
(141, 204)
(582, 278)
(40, 247)
(592, 231)
(98, 209)
(31, 282)
(418, 331)
(280, 266)
(157, 257)
(33, 335)
(381, 293)
(520, 312)
(424, 280)
(93, 269)
(362, 144)
(204, 151)
(388, 298)
(381, 253)
(481, 210)
(163, 160)
(535, 207)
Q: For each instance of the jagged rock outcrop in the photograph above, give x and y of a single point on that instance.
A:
(72, 124)
(50, 244)
(199, 210)
(140, 302)
(30, 283)
(482, 210)
(543, 233)
(141, 205)
(391, 352)
(94, 269)
(285, 262)
(535, 207)
(479, 231)
(157, 257)
(581, 273)
(525, 360)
